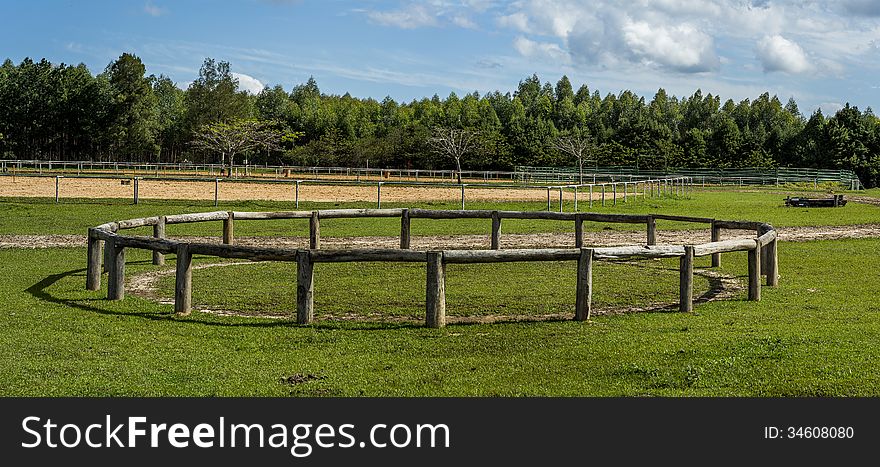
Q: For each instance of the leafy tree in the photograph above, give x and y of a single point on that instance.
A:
(133, 107)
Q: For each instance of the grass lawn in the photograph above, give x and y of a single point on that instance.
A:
(815, 335)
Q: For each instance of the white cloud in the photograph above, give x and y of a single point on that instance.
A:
(540, 50)
(681, 48)
(518, 21)
(248, 83)
(151, 9)
(780, 54)
(464, 22)
(411, 17)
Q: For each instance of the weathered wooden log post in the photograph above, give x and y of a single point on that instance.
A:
(183, 281)
(404, 229)
(108, 255)
(652, 230)
(216, 191)
(548, 199)
(137, 191)
(686, 280)
(462, 196)
(591, 196)
(228, 229)
(305, 288)
(296, 194)
(579, 231)
(435, 291)
(584, 301)
(93, 268)
(755, 272)
(496, 230)
(762, 229)
(715, 237)
(772, 263)
(576, 198)
(315, 231)
(116, 273)
(159, 232)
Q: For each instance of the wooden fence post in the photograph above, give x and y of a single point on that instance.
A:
(625, 189)
(772, 263)
(216, 191)
(379, 195)
(715, 237)
(159, 232)
(765, 262)
(462, 196)
(305, 288)
(560, 199)
(296, 194)
(228, 227)
(686, 280)
(93, 269)
(614, 194)
(183, 281)
(435, 291)
(591, 196)
(116, 273)
(496, 231)
(584, 301)
(579, 231)
(755, 273)
(652, 230)
(108, 254)
(548, 199)
(136, 183)
(404, 229)
(315, 231)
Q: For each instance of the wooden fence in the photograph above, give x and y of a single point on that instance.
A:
(762, 252)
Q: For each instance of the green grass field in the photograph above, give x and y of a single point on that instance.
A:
(816, 334)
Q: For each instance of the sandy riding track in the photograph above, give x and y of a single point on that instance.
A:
(34, 187)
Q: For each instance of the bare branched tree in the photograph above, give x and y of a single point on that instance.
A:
(454, 143)
(237, 137)
(577, 145)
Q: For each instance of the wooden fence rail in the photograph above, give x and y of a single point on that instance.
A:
(761, 251)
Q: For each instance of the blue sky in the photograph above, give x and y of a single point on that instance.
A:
(821, 53)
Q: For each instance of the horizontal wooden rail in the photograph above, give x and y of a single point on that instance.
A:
(506, 256)
(701, 220)
(725, 246)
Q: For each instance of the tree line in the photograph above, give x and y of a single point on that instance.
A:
(63, 112)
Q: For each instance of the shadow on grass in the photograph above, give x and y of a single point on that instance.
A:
(40, 292)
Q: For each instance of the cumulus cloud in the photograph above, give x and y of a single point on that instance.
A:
(777, 53)
(248, 83)
(540, 50)
(681, 48)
